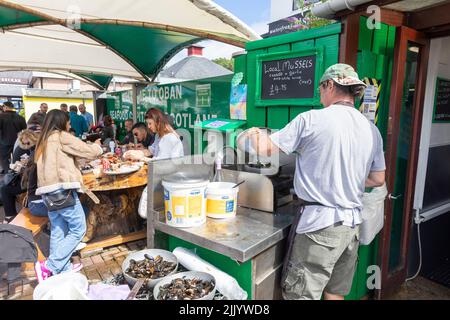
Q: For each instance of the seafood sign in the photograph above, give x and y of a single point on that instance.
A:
(288, 78)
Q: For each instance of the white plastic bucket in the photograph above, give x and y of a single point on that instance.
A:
(64, 286)
(185, 203)
(221, 200)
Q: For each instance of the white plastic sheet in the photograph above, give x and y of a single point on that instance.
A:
(142, 210)
(225, 284)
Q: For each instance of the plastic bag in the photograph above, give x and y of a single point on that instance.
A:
(372, 214)
(225, 284)
(63, 286)
(143, 204)
(101, 291)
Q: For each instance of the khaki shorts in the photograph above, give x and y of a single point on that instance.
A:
(322, 260)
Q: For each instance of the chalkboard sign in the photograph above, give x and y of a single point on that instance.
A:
(289, 78)
(442, 101)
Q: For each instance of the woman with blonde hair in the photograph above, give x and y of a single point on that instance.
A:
(59, 180)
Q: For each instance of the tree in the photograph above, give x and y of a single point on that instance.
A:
(311, 20)
(224, 62)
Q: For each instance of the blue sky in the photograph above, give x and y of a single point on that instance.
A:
(252, 12)
(255, 13)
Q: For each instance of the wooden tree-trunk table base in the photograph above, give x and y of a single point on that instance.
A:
(115, 219)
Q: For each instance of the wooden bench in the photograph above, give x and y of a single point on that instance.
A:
(35, 224)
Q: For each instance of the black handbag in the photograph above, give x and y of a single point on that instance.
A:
(59, 200)
(11, 179)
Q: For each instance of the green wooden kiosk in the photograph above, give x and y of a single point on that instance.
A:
(374, 62)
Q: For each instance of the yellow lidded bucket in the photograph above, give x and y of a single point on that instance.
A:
(185, 200)
(221, 200)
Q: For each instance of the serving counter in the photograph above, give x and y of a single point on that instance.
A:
(249, 247)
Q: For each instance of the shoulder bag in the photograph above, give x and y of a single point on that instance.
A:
(59, 200)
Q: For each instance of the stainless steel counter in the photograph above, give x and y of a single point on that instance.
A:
(241, 238)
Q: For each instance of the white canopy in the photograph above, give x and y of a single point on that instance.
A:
(130, 38)
(56, 48)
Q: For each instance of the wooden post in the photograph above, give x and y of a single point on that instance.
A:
(348, 47)
(392, 279)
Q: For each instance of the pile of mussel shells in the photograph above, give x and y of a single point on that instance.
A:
(150, 268)
(185, 289)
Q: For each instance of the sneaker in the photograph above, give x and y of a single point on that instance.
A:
(42, 273)
(77, 267)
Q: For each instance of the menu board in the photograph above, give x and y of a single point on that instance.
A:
(442, 101)
(289, 78)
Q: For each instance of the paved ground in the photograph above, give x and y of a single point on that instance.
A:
(104, 265)
(98, 266)
(421, 289)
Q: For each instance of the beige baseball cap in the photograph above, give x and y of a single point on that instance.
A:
(343, 74)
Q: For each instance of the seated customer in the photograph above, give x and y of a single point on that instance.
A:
(27, 141)
(29, 183)
(107, 133)
(143, 136)
(129, 128)
(167, 142)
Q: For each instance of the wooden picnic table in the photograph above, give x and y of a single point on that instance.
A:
(116, 182)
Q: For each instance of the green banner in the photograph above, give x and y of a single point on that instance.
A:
(120, 108)
(187, 102)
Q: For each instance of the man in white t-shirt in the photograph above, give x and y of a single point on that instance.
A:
(339, 153)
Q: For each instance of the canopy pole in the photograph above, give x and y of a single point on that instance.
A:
(134, 92)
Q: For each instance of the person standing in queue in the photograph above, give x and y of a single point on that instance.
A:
(58, 177)
(167, 142)
(40, 114)
(86, 115)
(77, 122)
(10, 125)
(338, 153)
(64, 107)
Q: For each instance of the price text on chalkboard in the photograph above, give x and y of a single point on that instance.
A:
(442, 101)
(292, 78)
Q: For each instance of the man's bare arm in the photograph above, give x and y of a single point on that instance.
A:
(262, 142)
(375, 179)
